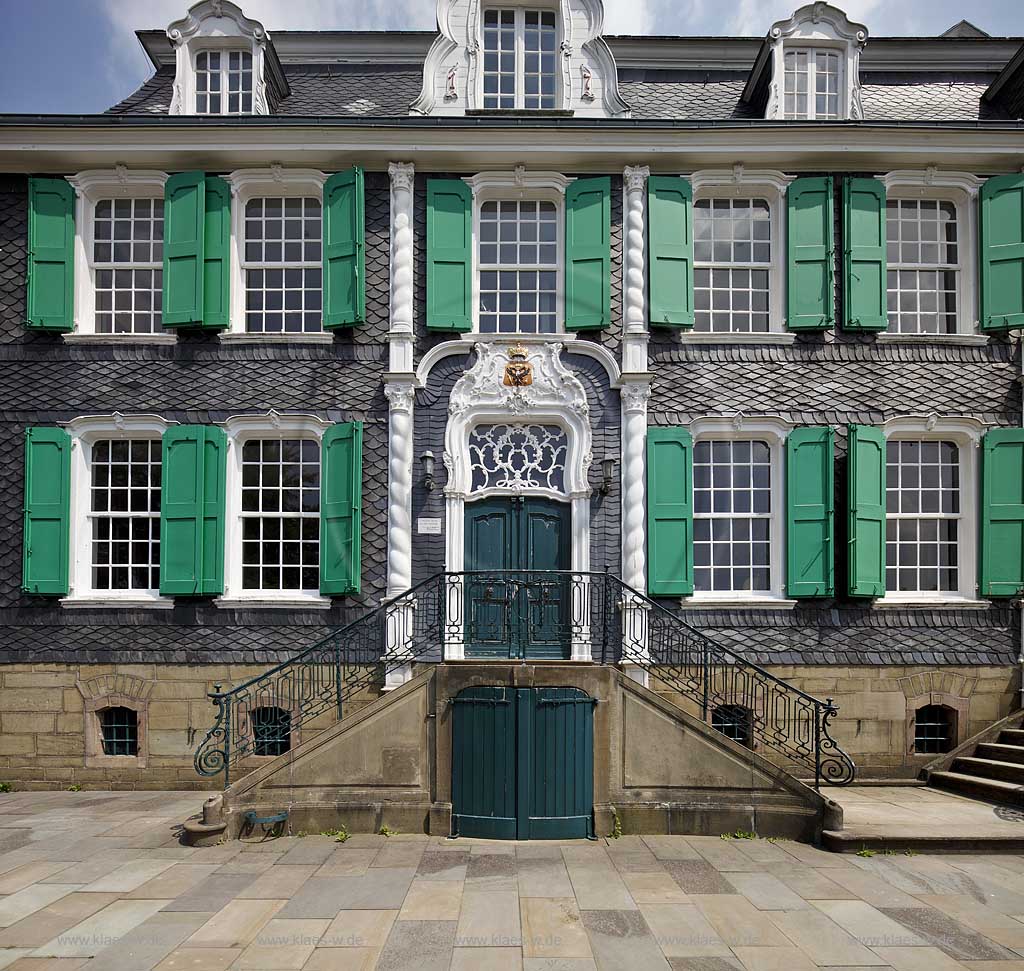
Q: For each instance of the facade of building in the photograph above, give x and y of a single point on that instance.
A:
(311, 319)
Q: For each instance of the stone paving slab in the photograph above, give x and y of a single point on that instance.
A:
(97, 883)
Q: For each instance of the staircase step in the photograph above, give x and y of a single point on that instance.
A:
(1012, 736)
(990, 769)
(977, 787)
(1000, 752)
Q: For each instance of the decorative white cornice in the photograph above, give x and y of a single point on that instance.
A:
(819, 21)
(118, 182)
(276, 178)
(932, 177)
(730, 426)
(741, 178)
(960, 428)
(274, 423)
(87, 427)
(519, 180)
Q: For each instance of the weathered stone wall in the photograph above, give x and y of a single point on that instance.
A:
(45, 716)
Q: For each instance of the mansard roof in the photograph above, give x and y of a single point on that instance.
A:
(955, 77)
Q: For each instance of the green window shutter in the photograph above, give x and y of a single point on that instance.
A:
(809, 513)
(341, 508)
(588, 254)
(670, 246)
(1002, 513)
(344, 249)
(449, 255)
(214, 474)
(51, 255)
(669, 512)
(1002, 252)
(216, 254)
(810, 237)
(181, 510)
(47, 511)
(184, 235)
(866, 494)
(864, 268)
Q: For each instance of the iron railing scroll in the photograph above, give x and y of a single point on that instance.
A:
(522, 614)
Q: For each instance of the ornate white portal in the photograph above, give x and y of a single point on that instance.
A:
(511, 439)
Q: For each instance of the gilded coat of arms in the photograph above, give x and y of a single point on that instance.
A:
(518, 371)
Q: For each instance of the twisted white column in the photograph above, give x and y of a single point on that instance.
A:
(634, 291)
(635, 395)
(401, 323)
(400, 461)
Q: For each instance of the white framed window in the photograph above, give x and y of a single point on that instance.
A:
(738, 250)
(223, 82)
(732, 258)
(815, 65)
(518, 252)
(119, 231)
(738, 509)
(519, 60)
(931, 232)
(115, 510)
(276, 253)
(518, 260)
(273, 511)
(931, 508)
(813, 84)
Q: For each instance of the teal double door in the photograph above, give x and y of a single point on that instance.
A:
(515, 608)
(523, 763)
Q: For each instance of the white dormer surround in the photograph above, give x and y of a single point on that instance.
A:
(586, 81)
(817, 28)
(217, 27)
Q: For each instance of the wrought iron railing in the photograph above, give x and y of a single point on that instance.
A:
(521, 614)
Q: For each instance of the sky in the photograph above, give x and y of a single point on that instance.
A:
(81, 56)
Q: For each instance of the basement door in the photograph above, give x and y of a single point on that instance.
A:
(520, 611)
(523, 763)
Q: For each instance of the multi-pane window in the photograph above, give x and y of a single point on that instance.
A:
(224, 83)
(732, 504)
(283, 273)
(934, 729)
(922, 517)
(119, 730)
(732, 252)
(811, 84)
(923, 265)
(281, 514)
(519, 58)
(127, 259)
(125, 515)
(518, 267)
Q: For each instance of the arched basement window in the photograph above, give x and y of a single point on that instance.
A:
(934, 729)
(119, 731)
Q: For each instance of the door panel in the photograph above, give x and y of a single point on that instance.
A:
(523, 763)
(518, 615)
(483, 763)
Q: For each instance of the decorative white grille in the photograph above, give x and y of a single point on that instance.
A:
(518, 457)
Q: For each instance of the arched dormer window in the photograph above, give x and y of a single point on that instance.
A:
(816, 65)
(225, 63)
(520, 55)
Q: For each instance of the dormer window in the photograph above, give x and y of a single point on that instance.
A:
(812, 84)
(224, 83)
(519, 59)
(815, 66)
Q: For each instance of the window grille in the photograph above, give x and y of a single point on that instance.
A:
(119, 730)
(733, 721)
(271, 730)
(518, 457)
(934, 729)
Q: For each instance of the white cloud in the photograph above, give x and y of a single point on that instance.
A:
(628, 17)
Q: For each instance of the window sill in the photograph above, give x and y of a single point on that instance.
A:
(964, 340)
(80, 338)
(118, 603)
(325, 338)
(751, 603)
(689, 337)
(921, 603)
(474, 337)
(287, 603)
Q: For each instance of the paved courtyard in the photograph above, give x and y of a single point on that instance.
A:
(98, 880)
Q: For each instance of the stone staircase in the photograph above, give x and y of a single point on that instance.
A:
(990, 766)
